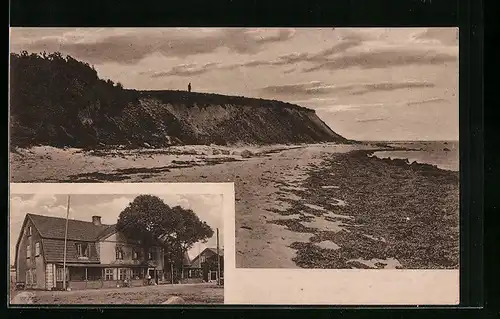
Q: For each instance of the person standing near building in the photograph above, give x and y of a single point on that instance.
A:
(189, 87)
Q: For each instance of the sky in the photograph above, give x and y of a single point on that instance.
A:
(365, 83)
(82, 207)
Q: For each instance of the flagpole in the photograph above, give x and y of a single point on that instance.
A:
(65, 241)
(218, 259)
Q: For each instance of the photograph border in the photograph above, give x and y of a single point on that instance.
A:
(226, 190)
(465, 14)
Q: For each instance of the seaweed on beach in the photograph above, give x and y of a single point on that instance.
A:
(220, 160)
(97, 176)
(414, 207)
(352, 246)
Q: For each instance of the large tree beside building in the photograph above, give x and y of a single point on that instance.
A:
(148, 219)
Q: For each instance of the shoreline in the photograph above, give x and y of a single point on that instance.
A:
(275, 184)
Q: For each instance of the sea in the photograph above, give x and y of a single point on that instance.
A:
(443, 154)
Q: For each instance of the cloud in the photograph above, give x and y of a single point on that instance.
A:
(383, 59)
(310, 88)
(298, 57)
(346, 107)
(186, 70)
(446, 36)
(426, 101)
(269, 35)
(371, 120)
(129, 46)
(318, 88)
(333, 108)
(388, 86)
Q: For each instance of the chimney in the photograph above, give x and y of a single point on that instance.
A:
(96, 220)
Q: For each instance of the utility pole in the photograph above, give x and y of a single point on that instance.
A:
(218, 259)
(172, 272)
(65, 243)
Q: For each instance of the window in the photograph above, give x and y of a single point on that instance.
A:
(202, 259)
(29, 231)
(135, 255)
(189, 273)
(28, 251)
(37, 249)
(28, 277)
(136, 274)
(119, 253)
(150, 254)
(94, 273)
(82, 250)
(123, 274)
(109, 274)
(33, 276)
(60, 272)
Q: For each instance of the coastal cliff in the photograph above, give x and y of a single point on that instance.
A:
(60, 101)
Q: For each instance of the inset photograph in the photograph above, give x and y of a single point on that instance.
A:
(146, 248)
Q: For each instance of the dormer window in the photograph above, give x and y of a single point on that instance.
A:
(119, 253)
(82, 250)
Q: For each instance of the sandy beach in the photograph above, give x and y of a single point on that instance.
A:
(310, 206)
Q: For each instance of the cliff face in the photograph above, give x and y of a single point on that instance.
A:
(61, 102)
(157, 121)
(196, 118)
(191, 118)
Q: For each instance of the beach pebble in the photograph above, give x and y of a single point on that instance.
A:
(246, 154)
(174, 300)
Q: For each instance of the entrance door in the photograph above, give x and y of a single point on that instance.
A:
(206, 273)
(213, 276)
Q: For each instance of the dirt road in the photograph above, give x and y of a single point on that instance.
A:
(192, 294)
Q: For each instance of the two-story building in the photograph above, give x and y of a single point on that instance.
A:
(97, 255)
(204, 266)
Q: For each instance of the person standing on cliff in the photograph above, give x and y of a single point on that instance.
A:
(189, 87)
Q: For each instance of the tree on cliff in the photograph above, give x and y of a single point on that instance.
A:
(150, 220)
(50, 92)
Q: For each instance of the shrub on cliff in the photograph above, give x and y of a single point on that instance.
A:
(54, 98)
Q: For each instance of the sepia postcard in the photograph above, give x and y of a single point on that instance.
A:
(342, 144)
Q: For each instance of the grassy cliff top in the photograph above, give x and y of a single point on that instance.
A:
(202, 98)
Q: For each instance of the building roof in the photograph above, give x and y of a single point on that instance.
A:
(214, 250)
(55, 227)
(111, 229)
(196, 262)
(186, 261)
(53, 250)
